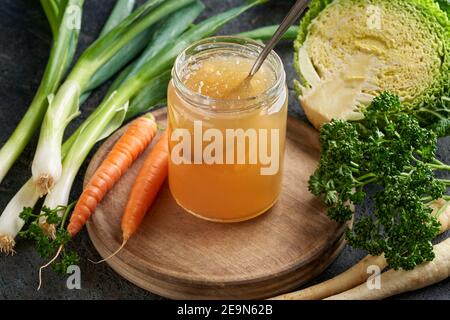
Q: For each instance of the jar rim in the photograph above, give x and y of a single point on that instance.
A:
(205, 102)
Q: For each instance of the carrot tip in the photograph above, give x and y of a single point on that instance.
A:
(112, 255)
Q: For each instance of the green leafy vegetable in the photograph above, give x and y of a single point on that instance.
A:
(388, 149)
(360, 48)
(47, 245)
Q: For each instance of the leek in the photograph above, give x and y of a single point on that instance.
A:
(28, 195)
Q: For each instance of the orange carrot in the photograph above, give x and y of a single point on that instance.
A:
(134, 141)
(148, 182)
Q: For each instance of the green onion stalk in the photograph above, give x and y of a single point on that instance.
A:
(166, 32)
(27, 196)
(53, 11)
(266, 33)
(120, 12)
(151, 76)
(63, 22)
(64, 106)
(109, 118)
(61, 57)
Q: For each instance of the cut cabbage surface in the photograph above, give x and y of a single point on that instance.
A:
(348, 51)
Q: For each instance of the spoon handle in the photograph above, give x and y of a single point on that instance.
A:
(293, 14)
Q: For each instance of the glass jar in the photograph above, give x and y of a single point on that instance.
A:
(226, 134)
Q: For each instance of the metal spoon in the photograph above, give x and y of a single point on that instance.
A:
(293, 15)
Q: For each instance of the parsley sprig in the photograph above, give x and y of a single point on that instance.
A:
(47, 245)
(389, 149)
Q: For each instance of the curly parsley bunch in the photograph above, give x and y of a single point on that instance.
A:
(389, 149)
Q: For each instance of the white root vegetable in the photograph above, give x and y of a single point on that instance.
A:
(47, 167)
(358, 274)
(394, 282)
(10, 221)
(441, 209)
(344, 281)
(349, 85)
(59, 196)
(110, 117)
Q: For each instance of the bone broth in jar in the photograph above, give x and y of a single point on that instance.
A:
(226, 131)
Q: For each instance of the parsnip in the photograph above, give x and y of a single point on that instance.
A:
(441, 209)
(344, 281)
(394, 282)
(358, 273)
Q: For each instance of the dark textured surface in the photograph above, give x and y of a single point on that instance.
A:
(24, 44)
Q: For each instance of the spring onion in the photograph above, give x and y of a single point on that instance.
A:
(52, 9)
(122, 9)
(28, 195)
(65, 41)
(120, 12)
(109, 118)
(47, 167)
(266, 33)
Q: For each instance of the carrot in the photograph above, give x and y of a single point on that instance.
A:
(133, 142)
(358, 274)
(394, 282)
(149, 180)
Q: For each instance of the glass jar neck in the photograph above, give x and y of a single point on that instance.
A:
(224, 45)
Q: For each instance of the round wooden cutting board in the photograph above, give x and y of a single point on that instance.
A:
(179, 256)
